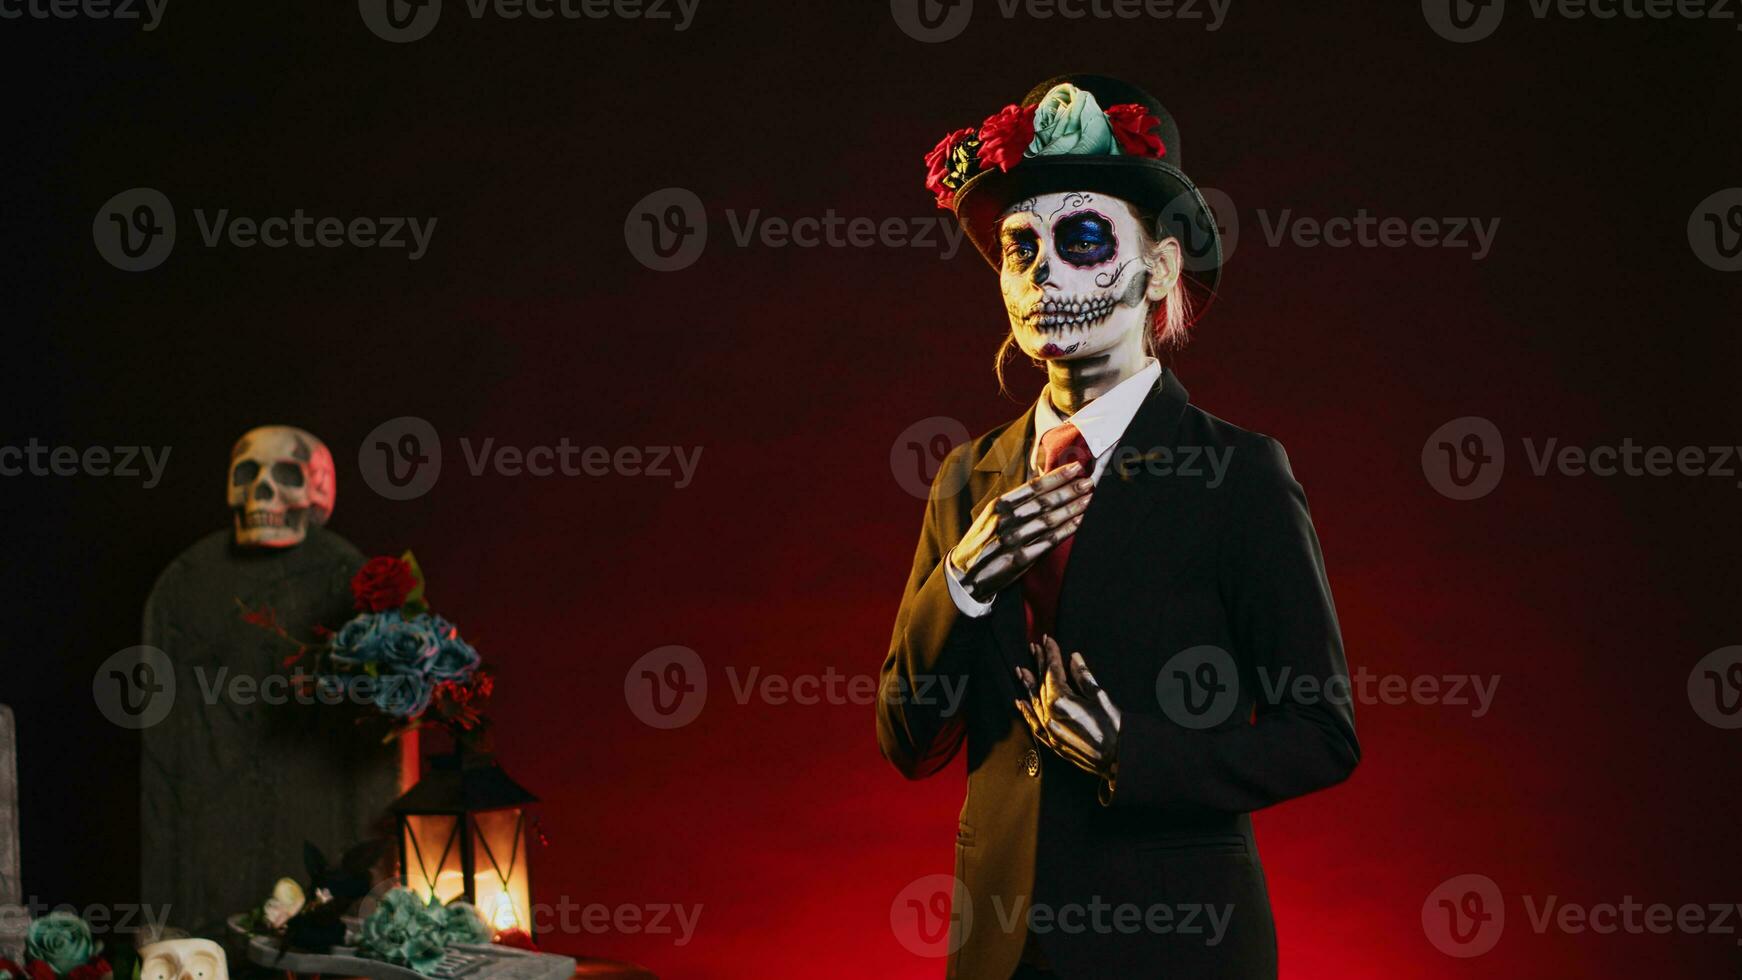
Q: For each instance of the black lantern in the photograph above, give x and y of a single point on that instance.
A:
(462, 834)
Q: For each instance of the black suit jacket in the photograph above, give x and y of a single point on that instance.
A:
(1172, 569)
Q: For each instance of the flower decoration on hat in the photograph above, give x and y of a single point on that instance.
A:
(1066, 121)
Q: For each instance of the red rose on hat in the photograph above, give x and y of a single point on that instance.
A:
(949, 165)
(1134, 127)
(1004, 137)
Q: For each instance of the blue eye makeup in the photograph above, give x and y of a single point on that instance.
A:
(1085, 238)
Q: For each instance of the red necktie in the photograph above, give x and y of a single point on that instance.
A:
(1040, 584)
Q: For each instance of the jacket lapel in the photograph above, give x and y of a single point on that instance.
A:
(1004, 468)
(1105, 553)
(1102, 554)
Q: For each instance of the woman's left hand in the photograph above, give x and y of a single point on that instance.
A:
(1069, 714)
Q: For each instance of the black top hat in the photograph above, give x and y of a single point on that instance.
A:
(1154, 183)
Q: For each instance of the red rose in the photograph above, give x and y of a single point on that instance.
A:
(1135, 129)
(382, 584)
(41, 971)
(10, 969)
(1004, 137)
(949, 165)
(97, 969)
(516, 938)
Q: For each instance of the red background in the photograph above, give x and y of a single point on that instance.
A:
(795, 370)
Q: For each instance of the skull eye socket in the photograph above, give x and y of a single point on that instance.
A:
(157, 968)
(1085, 238)
(287, 474)
(244, 473)
(202, 966)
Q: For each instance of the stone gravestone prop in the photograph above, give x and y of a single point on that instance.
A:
(13, 918)
(241, 769)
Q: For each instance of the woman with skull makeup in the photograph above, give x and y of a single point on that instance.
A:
(1128, 589)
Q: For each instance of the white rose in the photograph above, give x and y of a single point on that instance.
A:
(286, 901)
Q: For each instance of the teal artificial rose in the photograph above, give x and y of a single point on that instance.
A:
(463, 923)
(406, 931)
(1068, 120)
(62, 940)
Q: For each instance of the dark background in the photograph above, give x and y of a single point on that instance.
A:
(796, 369)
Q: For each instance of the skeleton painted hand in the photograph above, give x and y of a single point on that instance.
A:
(1073, 716)
(1011, 534)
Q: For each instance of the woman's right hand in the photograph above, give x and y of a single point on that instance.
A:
(1017, 528)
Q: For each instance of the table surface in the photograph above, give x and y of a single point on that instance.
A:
(589, 969)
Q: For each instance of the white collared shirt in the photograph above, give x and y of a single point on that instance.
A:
(1102, 423)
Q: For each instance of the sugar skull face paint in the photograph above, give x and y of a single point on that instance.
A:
(1074, 274)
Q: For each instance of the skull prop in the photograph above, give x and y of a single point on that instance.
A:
(183, 959)
(281, 481)
(1079, 274)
